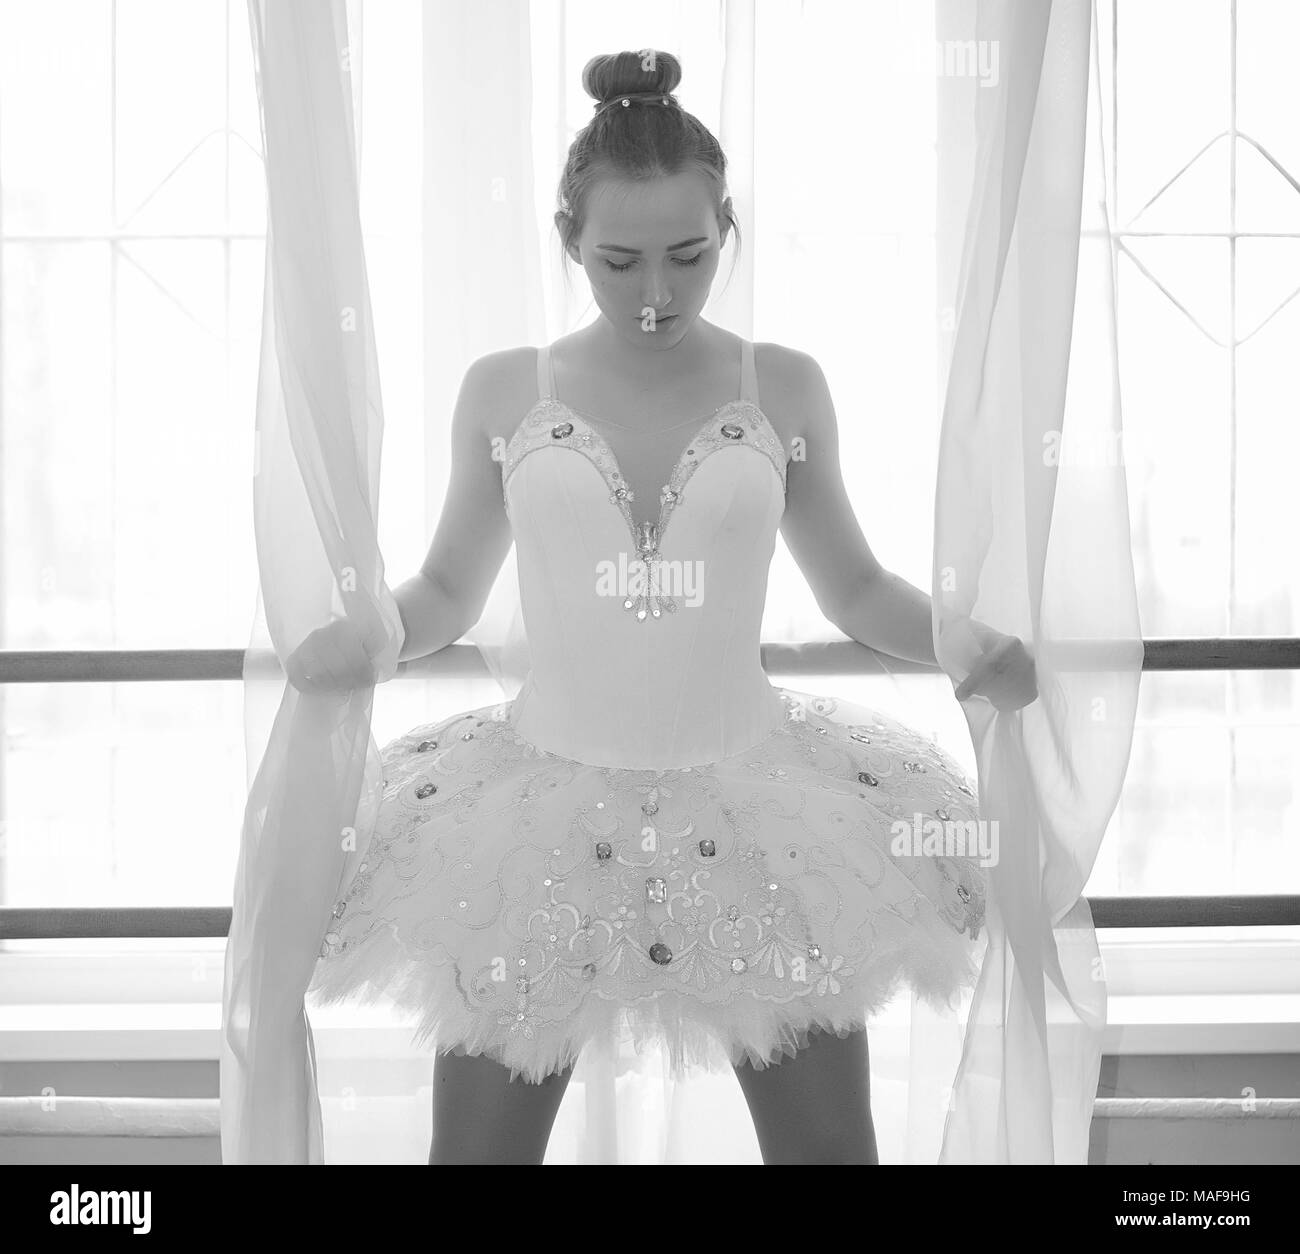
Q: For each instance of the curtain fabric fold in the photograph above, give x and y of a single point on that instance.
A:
(1032, 538)
(319, 428)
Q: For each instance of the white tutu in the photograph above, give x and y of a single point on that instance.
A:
(520, 904)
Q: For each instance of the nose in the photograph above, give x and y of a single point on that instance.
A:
(655, 293)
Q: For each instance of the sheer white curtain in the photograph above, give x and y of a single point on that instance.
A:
(314, 768)
(1011, 165)
(1032, 537)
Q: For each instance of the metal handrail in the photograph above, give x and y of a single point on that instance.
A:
(833, 657)
(199, 1118)
(121, 922)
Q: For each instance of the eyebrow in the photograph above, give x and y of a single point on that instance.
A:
(686, 243)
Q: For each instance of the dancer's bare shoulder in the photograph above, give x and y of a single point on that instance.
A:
(498, 390)
(793, 394)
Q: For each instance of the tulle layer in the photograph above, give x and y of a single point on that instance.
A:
(521, 905)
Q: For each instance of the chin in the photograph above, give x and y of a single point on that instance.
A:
(661, 332)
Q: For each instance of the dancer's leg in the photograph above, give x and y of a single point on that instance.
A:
(816, 1106)
(482, 1116)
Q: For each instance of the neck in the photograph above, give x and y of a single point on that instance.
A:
(650, 366)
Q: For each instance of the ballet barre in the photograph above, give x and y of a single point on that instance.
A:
(463, 661)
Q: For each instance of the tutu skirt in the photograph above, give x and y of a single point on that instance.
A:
(520, 905)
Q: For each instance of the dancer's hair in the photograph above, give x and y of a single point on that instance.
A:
(650, 137)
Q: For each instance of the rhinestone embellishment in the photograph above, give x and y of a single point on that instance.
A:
(738, 965)
(649, 807)
(866, 777)
(543, 429)
(656, 889)
(963, 892)
(652, 602)
(708, 849)
(425, 745)
(604, 851)
(553, 421)
(426, 790)
(660, 953)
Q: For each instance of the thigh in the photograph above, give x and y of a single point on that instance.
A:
(816, 1106)
(481, 1115)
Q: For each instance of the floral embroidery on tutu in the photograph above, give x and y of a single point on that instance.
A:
(521, 904)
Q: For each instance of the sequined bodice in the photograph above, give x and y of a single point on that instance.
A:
(644, 636)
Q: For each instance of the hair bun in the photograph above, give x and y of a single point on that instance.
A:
(610, 75)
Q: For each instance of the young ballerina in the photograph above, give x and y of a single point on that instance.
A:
(651, 840)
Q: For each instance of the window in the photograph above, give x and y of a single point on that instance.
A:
(1202, 164)
(131, 254)
(132, 220)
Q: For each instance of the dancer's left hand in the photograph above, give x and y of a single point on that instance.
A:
(1004, 675)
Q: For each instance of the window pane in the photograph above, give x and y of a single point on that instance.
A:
(182, 454)
(1174, 384)
(58, 469)
(170, 142)
(1172, 99)
(1211, 803)
(56, 150)
(1266, 576)
(122, 794)
(1268, 90)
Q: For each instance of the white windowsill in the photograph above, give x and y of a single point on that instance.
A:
(168, 1031)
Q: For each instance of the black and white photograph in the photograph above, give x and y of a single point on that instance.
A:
(699, 583)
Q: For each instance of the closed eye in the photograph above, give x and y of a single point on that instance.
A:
(681, 261)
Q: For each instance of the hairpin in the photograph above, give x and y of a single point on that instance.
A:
(646, 97)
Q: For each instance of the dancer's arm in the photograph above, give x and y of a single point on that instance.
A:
(446, 597)
(864, 600)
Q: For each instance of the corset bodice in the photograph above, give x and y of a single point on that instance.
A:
(644, 637)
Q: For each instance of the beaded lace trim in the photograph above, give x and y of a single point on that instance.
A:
(553, 422)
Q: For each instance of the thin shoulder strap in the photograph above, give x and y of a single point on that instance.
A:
(545, 374)
(748, 375)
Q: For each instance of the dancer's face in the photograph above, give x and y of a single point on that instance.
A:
(651, 246)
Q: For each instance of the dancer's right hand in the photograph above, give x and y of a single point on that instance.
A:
(337, 657)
